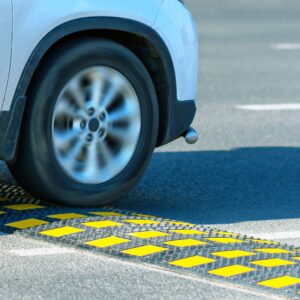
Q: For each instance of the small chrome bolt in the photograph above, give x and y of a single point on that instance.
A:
(91, 111)
(101, 132)
(102, 116)
(83, 124)
(89, 137)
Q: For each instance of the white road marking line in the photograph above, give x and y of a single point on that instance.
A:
(286, 46)
(42, 251)
(270, 107)
(276, 235)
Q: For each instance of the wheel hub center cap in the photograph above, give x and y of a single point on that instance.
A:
(94, 125)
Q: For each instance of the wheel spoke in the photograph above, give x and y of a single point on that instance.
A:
(65, 109)
(112, 93)
(125, 113)
(96, 89)
(64, 138)
(73, 153)
(77, 94)
(105, 153)
(92, 163)
(117, 134)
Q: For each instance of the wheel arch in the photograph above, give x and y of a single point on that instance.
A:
(139, 38)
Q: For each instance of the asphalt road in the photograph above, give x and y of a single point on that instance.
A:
(242, 176)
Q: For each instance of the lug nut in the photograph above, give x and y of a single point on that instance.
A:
(82, 124)
(101, 132)
(91, 111)
(102, 116)
(89, 137)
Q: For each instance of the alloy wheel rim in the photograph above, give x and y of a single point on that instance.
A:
(96, 125)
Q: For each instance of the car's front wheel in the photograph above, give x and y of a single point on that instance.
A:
(90, 125)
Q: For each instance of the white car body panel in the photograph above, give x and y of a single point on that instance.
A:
(176, 26)
(5, 45)
(34, 19)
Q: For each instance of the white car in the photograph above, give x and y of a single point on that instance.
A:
(89, 88)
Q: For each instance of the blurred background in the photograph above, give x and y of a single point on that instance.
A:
(239, 60)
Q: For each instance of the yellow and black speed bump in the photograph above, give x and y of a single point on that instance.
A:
(179, 246)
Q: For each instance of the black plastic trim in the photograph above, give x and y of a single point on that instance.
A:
(182, 114)
(10, 124)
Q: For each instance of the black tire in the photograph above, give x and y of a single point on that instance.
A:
(35, 167)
